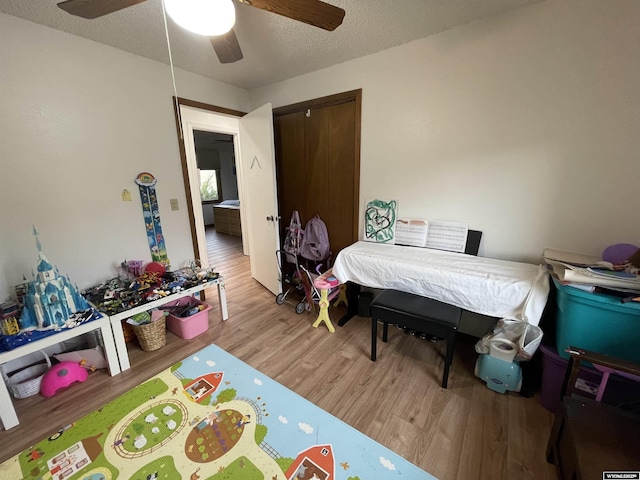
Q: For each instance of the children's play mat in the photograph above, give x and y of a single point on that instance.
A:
(210, 416)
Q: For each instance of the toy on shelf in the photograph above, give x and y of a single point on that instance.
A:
(120, 294)
(10, 326)
(50, 298)
(155, 267)
(45, 306)
(132, 268)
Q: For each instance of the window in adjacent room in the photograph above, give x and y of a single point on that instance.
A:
(210, 188)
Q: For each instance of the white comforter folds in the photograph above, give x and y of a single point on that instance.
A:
(498, 288)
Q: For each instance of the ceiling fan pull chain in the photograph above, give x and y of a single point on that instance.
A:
(173, 77)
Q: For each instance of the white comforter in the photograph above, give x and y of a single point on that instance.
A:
(498, 288)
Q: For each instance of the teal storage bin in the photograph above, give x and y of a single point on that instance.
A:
(597, 322)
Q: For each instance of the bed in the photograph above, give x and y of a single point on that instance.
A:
(226, 217)
(485, 286)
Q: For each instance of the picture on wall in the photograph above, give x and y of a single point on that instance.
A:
(380, 221)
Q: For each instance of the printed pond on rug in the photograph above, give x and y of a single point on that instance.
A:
(210, 416)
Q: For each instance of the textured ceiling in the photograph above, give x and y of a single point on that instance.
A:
(275, 48)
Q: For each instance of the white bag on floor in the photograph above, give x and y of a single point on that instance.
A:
(526, 336)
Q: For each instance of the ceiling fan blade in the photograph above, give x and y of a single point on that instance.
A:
(95, 8)
(227, 47)
(313, 12)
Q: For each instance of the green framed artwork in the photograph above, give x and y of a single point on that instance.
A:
(380, 221)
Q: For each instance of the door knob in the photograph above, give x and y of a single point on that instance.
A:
(270, 218)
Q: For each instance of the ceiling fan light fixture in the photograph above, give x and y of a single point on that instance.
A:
(204, 17)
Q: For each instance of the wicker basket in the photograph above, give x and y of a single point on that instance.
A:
(26, 382)
(151, 336)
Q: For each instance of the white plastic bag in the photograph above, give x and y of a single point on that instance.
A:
(526, 336)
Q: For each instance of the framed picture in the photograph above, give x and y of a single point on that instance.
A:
(380, 221)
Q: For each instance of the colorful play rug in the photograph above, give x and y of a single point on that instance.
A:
(213, 417)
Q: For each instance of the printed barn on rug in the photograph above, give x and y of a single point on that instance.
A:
(214, 417)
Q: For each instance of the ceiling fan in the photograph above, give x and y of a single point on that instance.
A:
(226, 46)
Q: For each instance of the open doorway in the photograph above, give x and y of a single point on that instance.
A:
(215, 158)
(253, 145)
(207, 125)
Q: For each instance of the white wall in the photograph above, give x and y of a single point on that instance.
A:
(526, 126)
(78, 122)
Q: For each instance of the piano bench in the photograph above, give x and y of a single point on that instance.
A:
(416, 313)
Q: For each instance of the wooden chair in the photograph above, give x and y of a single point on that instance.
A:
(589, 437)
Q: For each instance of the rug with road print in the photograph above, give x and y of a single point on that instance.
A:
(214, 417)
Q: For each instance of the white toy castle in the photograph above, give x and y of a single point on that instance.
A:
(50, 299)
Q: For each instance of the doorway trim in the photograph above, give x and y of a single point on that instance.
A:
(177, 103)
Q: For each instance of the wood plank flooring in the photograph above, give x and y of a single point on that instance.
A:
(465, 432)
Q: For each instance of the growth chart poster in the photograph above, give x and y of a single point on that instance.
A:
(151, 213)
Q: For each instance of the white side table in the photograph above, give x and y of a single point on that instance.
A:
(7, 411)
(116, 319)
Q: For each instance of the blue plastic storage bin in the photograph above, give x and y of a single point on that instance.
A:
(597, 322)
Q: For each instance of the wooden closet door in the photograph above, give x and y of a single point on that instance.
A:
(317, 165)
(291, 175)
(331, 171)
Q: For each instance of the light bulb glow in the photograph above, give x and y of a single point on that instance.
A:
(204, 17)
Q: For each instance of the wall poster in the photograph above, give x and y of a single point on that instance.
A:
(147, 185)
(380, 221)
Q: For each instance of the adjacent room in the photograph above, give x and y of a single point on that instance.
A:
(136, 151)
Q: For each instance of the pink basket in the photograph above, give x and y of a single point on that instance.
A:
(191, 326)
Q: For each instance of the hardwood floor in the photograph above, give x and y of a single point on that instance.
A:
(464, 432)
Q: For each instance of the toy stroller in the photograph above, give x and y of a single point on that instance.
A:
(310, 244)
(292, 279)
(300, 280)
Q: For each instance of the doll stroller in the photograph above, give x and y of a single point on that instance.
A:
(289, 254)
(293, 279)
(310, 245)
(300, 280)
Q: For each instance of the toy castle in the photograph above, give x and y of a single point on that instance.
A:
(50, 299)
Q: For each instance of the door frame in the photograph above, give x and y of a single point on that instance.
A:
(188, 187)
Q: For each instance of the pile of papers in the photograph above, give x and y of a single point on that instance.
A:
(589, 272)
